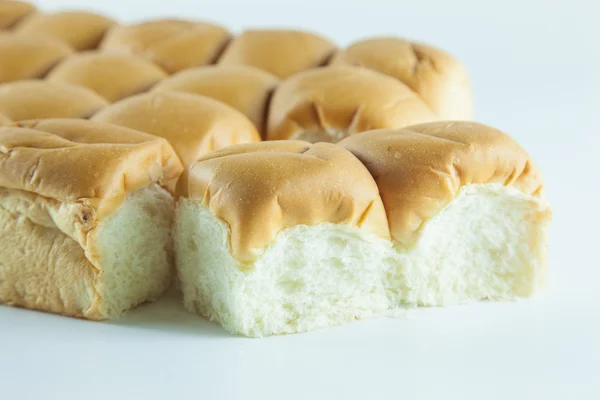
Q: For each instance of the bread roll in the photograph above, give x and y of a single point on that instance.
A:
(11, 12)
(247, 89)
(113, 76)
(328, 104)
(80, 30)
(4, 120)
(284, 236)
(281, 237)
(172, 44)
(194, 125)
(32, 99)
(280, 52)
(440, 79)
(85, 216)
(23, 57)
(466, 210)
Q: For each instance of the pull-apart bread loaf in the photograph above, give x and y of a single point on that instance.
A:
(285, 236)
(11, 12)
(113, 75)
(280, 52)
(328, 104)
(36, 99)
(247, 89)
(4, 120)
(80, 30)
(85, 215)
(194, 125)
(172, 44)
(440, 79)
(24, 57)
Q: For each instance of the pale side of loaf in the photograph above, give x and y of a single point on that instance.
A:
(276, 238)
(85, 211)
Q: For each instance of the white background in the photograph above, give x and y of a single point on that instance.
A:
(535, 69)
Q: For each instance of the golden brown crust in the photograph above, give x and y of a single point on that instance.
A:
(440, 79)
(11, 12)
(73, 161)
(113, 76)
(260, 189)
(80, 30)
(59, 180)
(420, 169)
(4, 120)
(247, 89)
(26, 57)
(172, 44)
(31, 99)
(328, 104)
(280, 52)
(194, 125)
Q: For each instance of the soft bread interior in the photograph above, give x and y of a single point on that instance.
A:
(49, 270)
(309, 277)
(488, 243)
(136, 251)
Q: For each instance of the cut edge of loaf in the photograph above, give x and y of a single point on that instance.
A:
(318, 276)
(121, 262)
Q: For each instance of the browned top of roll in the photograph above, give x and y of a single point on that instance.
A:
(33, 99)
(263, 188)
(245, 88)
(12, 12)
(4, 120)
(112, 75)
(81, 30)
(23, 57)
(440, 79)
(193, 124)
(328, 104)
(420, 169)
(280, 52)
(172, 44)
(91, 163)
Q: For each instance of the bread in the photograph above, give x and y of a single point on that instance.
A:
(113, 76)
(466, 210)
(23, 57)
(172, 44)
(436, 76)
(80, 30)
(11, 12)
(285, 236)
(280, 52)
(274, 234)
(85, 215)
(247, 89)
(328, 104)
(194, 125)
(33, 99)
(4, 120)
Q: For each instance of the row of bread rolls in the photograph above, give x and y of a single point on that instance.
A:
(269, 237)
